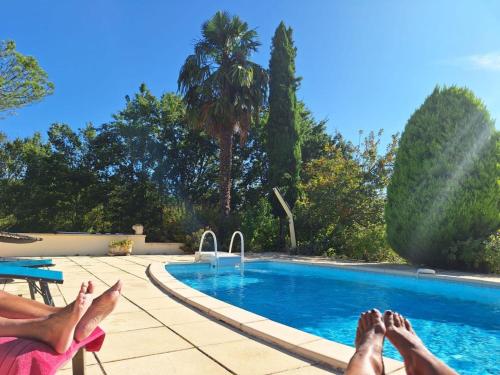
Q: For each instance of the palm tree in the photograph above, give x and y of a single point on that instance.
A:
(223, 90)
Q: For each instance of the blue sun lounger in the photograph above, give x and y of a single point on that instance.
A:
(32, 276)
(26, 262)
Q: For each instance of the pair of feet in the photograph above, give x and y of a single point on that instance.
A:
(373, 328)
(79, 319)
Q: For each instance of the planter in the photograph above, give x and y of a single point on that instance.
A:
(123, 247)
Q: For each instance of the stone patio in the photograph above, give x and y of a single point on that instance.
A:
(152, 333)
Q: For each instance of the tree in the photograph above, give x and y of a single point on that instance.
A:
(283, 142)
(444, 189)
(22, 80)
(342, 202)
(150, 137)
(223, 90)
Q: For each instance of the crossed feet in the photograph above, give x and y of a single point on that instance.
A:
(373, 327)
(79, 319)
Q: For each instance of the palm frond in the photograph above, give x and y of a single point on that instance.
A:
(223, 90)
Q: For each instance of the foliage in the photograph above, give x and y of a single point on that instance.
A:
(22, 80)
(192, 241)
(259, 227)
(368, 243)
(481, 254)
(341, 208)
(176, 221)
(147, 166)
(121, 243)
(120, 247)
(7, 221)
(283, 142)
(224, 90)
(96, 220)
(444, 193)
(490, 255)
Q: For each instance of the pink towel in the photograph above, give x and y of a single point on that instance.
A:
(30, 357)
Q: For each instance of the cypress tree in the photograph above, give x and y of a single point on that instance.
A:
(444, 188)
(283, 142)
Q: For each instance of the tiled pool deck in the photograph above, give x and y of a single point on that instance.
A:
(153, 333)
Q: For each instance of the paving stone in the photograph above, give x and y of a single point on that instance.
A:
(123, 345)
(185, 362)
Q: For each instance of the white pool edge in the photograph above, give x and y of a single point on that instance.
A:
(306, 345)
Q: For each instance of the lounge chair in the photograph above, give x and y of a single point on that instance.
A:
(34, 263)
(20, 356)
(33, 276)
(17, 238)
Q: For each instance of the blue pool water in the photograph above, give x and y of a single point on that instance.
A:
(459, 322)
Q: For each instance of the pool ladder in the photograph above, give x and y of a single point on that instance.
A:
(214, 259)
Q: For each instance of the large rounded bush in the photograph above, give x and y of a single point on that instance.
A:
(444, 188)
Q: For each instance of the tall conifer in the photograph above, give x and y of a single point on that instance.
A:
(283, 142)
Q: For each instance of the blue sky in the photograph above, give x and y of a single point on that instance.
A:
(365, 65)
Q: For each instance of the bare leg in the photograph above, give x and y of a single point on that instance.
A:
(369, 342)
(57, 330)
(100, 309)
(418, 359)
(15, 307)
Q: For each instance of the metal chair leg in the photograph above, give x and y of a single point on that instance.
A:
(47, 297)
(79, 362)
(32, 287)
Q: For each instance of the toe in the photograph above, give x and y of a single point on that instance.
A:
(83, 287)
(366, 319)
(117, 286)
(90, 288)
(372, 316)
(408, 325)
(389, 318)
(401, 320)
(376, 314)
(361, 322)
(397, 321)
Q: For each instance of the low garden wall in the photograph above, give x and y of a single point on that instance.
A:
(62, 244)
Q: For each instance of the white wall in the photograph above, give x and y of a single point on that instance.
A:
(62, 244)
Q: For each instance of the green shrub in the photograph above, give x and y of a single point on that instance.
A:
(476, 254)
(259, 227)
(177, 222)
(182, 222)
(491, 253)
(330, 253)
(444, 193)
(95, 220)
(340, 212)
(192, 241)
(368, 243)
(7, 221)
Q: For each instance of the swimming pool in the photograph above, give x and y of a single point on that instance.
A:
(459, 322)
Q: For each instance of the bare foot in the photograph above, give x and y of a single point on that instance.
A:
(58, 329)
(369, 343)
(418, 359)
(100, 309)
